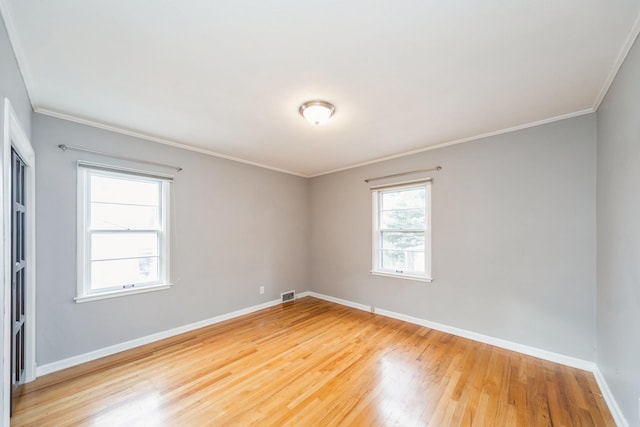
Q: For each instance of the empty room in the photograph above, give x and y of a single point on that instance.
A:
(287, 213)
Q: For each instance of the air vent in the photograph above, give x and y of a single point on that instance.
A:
(288, 296)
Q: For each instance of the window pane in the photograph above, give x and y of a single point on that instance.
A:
(123, 245)
(124, 190)
(404, 199)
(401, 217)
(403, 261)
(406, 218)
(407, 241)
(106, 274)
(123, 217)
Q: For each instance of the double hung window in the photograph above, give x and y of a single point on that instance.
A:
(123, 239)
(402, 231)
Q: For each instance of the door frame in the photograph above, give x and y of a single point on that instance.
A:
(15, 137)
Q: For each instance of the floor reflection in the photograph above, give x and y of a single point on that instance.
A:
(400, 389)
(144, 410)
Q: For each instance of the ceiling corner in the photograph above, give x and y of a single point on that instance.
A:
(622, 55)
(136, 134)
(18, 51)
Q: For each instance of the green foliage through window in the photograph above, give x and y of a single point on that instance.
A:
(401, 226)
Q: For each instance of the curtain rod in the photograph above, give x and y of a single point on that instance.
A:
(437, 168)
(65, 147)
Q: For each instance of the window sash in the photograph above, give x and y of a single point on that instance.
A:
(378, 234)
(158, 260)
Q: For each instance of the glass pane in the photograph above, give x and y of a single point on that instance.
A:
(106, 274)
(124, 190)
(406, 218)
(123, 217)
(407, 241)
(404, 199)
(407, 262)
(123, 245)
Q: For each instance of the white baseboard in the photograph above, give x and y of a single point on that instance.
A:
(340, 301)
(617, 414)
(509, 345)
(128, 345)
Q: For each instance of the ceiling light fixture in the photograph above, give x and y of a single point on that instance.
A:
(317, 111)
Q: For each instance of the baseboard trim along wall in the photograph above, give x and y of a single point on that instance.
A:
(509, 345)
(617, 414)
(128, 345)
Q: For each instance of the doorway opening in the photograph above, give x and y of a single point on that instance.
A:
(17, 253)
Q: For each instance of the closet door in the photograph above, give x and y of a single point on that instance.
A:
(18, 282)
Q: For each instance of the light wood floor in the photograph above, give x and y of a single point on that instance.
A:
(315, 363)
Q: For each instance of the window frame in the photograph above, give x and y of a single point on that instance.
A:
(84, 292)
(376, 261)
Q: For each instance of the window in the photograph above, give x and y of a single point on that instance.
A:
(123, 239)
(402, 231)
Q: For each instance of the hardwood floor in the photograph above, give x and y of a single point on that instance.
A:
(315, 363)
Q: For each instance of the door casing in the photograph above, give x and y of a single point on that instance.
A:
(15, 137)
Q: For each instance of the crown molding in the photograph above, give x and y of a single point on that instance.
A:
(461, 140)
(615, 68)
(128, 132)
(18, 51)
(31, 88)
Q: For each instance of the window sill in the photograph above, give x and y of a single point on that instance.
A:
(122, 293)
(402, 276)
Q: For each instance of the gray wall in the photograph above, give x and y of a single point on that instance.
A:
(235, 227)
(11, 84)
(618, 213)
(513, 238)
(11, 87)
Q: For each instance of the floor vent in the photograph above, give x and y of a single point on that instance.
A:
(288, 296)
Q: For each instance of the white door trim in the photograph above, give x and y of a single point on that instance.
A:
(15, 136)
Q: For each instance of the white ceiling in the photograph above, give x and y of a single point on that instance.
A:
(227, 76)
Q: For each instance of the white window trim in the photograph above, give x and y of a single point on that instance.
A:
(375, 247)
(82, 294)
(121, 293)
(402, 276)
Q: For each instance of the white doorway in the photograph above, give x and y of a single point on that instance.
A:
(18, 258)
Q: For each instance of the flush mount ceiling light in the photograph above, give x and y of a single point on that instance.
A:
(317, 111)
